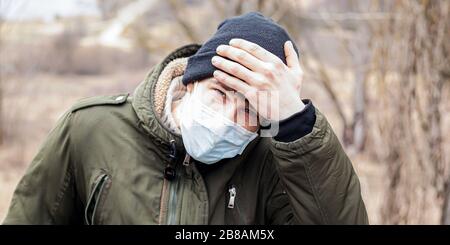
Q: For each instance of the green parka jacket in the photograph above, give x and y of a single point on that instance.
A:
(105, 160)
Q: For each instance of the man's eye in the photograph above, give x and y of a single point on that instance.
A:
(250, 112)
(245, 111)
(219, 92)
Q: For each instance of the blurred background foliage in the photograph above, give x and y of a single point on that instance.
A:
(378, 69)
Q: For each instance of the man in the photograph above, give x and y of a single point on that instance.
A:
(187, 148)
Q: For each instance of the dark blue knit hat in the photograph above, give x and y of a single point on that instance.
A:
(253, 27)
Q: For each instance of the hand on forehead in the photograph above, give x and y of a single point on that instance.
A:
(269, 84)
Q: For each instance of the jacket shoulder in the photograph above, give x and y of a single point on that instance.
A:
(99, 101)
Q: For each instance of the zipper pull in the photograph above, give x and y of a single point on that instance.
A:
(169, 171)
(232, 191)
(173, 151)
(187, 160)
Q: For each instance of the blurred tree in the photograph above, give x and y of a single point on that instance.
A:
(412, 58)
(109, 8)
(403, 45)
(177, 9)
(353, 31)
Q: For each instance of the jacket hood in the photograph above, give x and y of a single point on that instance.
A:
(145, 95)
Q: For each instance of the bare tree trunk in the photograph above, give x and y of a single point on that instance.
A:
(414, 56)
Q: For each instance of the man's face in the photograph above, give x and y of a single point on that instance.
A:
(227, 102)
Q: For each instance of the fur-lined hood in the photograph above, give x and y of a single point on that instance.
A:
(150, 96)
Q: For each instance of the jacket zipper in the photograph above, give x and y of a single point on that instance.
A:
(173, 198)
(233, 205)
(163, 203)
(172, 205)
(169, 195)
(171, 186)
(102, 187)
(232, 191)
(98, 188)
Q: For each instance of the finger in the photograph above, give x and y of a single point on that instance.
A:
(291, 56)
(255, 50)
(233, 68)
(234, 83)
(241, 56)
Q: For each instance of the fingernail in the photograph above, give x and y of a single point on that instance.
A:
(233, 41)
(216, 73)
(220, 48)
(215, 60)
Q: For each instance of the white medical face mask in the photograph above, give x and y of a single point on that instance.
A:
(208, 136)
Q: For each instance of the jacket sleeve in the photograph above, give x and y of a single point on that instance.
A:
(46, 193)
(318, 179)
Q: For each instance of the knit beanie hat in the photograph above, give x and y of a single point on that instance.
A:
(253, 27)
